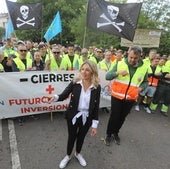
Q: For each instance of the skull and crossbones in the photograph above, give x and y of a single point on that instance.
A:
(24, 10)
(113, 11)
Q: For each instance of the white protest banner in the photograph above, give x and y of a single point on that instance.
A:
(22, 93)
(145, 38)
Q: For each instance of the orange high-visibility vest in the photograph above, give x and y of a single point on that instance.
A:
(152, 81)
(126, 87)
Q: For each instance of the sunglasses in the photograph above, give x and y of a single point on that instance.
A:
(56, 52)
(23, 50)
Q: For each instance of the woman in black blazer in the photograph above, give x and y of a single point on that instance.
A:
(82, 112)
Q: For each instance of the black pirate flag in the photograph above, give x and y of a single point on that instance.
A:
(25, 16)
(113, 18)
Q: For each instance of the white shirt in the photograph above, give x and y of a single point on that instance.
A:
(83, 107)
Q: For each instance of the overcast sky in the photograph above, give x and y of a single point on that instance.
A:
(3, 8)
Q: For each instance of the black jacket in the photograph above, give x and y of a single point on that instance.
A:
(75, 90)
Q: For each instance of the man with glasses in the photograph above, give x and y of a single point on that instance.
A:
(55, 61)
(19, 64)
(70, 60)
(97, 56)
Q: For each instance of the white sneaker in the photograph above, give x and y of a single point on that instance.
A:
(137, 108)
(81, 159)
(64, 161)
(147, 110)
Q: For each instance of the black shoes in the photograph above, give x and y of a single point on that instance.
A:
(111, 138)
(116, 138)
(108, 140)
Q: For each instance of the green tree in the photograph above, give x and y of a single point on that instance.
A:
(69, 9)
(154, 14)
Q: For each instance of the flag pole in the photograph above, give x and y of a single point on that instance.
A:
(84, 38)
(61, 38)
(49, 57)
(48, 49)
(42, 26)
(85, 28)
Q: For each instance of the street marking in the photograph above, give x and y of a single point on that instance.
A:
(13, 146)
(0, 130)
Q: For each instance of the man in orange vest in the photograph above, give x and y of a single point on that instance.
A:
(154, 74)
(130, 78)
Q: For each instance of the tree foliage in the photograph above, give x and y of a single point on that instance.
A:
(154, 14)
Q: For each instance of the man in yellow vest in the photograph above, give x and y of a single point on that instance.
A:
(55, 61)
(152, 54)
(22, 62)
(44, 52)
(97, 55)
(106, 64)
(83, 57)
(118, 56)
(154, 74)
(130, 78)
(1, 59)
(8, 48)
(162, 93)
(30, 52)
(70, 60)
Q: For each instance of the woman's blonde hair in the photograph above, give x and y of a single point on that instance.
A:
(93, 69)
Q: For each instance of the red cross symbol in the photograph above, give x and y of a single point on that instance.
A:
(50, 89)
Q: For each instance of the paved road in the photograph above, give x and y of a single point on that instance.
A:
(41, 144)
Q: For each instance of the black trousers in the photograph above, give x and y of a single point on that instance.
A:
(162, 94)
(77, 132)
(119, 110)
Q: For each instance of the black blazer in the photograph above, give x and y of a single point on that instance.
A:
(75, 90)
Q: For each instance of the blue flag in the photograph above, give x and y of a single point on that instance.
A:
(9, 29)
(54, 28)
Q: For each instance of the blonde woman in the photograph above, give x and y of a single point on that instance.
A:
(82, 112)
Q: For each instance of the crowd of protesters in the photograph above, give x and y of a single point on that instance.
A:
(153, 70)
(27, 55)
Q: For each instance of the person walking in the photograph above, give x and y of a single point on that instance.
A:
(82, 112)
(130, 78)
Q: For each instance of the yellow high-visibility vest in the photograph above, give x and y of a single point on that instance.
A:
(126, 87)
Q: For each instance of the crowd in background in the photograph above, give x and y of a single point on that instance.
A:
(31, 56)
